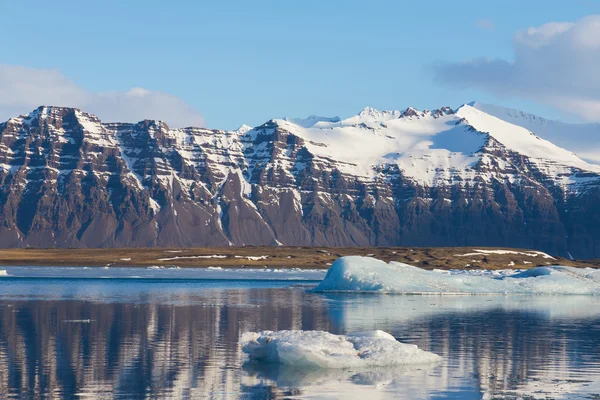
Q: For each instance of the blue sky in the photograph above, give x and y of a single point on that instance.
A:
(235, 62)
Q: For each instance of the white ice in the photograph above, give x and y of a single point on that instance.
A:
(365, 274)
(3, 272)
(325, 350)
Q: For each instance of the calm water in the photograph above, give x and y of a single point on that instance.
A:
(177, 339)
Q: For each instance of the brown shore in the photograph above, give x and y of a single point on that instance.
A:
(284, 257)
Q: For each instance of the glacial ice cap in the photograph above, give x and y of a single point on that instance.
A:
(310, 349)
(365, 274)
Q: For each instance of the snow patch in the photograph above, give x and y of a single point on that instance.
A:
(478, 252)
(257, 258)
(183, 257)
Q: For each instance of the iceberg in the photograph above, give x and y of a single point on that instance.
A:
(318, 349)
(365, 274)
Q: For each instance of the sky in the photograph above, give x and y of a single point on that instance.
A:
(226, 63)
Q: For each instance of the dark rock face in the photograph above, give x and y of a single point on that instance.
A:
(68, 180)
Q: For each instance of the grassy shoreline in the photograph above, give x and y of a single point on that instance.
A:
(284, 257)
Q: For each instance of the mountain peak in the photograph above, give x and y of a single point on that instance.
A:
(243, 128)
(410, 112)
(370, 114)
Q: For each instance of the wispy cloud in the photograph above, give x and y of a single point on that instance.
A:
(555, 64)
(22, 89)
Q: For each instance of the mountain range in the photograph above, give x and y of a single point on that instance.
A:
(478, 175)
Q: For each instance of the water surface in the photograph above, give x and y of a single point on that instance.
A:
(169, 338)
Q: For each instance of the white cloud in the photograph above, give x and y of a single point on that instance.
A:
(23, 89)
(555, 64)
(485, 24)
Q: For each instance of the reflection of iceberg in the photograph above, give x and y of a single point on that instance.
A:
(353, 313)
(365, 274)
(325, 350)
(399, 381)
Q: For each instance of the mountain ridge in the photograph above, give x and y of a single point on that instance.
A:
(380, 178)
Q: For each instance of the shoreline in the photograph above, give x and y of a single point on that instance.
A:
(285, 257)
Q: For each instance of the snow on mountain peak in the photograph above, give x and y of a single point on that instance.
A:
(369, 114)
(427, 146)
(311, 120)
(243, 129)
(420, 146)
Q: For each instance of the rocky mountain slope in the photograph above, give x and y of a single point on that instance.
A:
(380, 178)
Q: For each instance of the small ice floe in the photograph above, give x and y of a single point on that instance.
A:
(326, 350)
(3, 272)
(125, 259)
(364, 274)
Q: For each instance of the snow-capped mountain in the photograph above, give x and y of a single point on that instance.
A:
(421, 178)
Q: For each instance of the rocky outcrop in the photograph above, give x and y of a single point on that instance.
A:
(69, 180)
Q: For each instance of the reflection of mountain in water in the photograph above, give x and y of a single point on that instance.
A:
(167, 350)
(189, 347)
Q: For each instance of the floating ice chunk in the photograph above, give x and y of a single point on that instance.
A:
(3, 272)
(326, 350)
(364, 274)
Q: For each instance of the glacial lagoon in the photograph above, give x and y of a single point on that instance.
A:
(119, 334)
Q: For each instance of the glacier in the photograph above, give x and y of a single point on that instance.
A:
(365, 274)
(318, 349)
